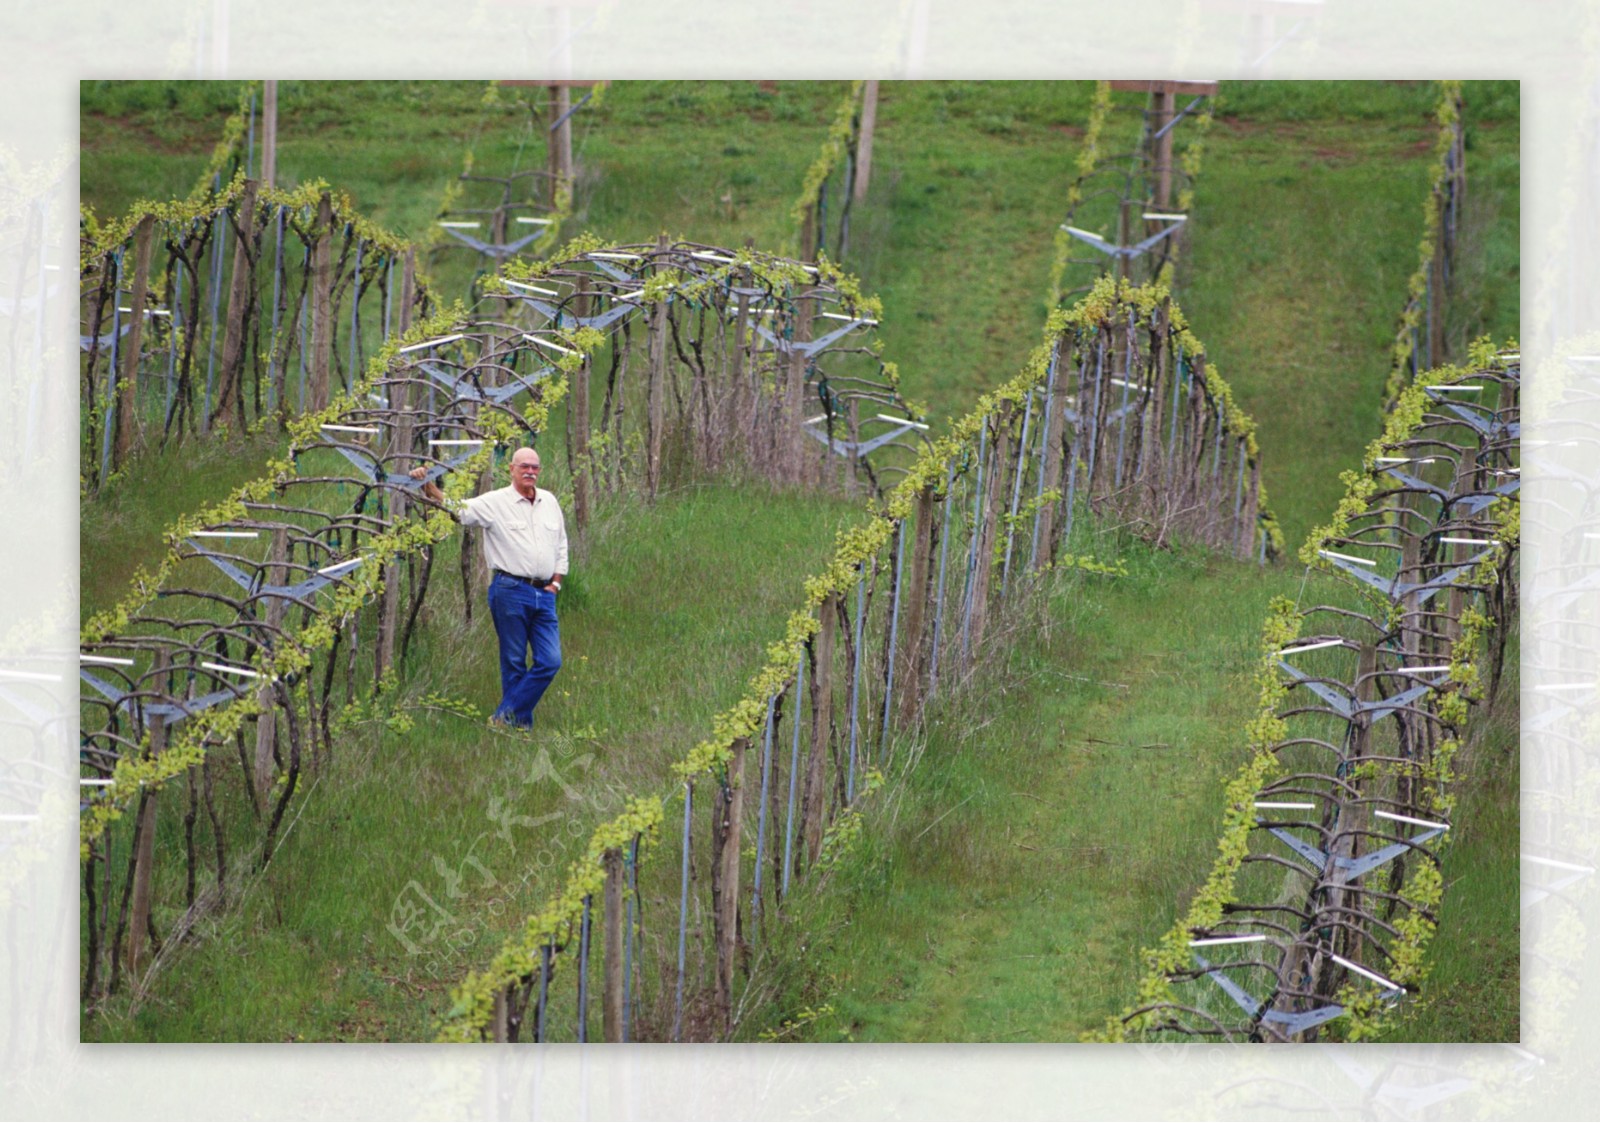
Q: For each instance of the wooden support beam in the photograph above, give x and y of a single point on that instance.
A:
(656, 391)
(241, 298)
(578, 421)
(727, 819)
(612, 980)
(915, 590)
(869, 121)
(128, 377)
(277, 573)
(815, 798)
(145, 852)
(321, 306)
(269, 133)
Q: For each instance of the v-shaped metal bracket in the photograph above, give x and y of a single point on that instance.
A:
(1394, 588)
(1291, 1022)
(787, 346)
(491, 249)
(1111, 250)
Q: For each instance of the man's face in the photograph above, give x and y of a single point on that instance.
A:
(525, 472)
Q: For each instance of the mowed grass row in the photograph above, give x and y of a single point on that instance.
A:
(666, 612)
(1307, 221)
(307, 953)
(1067, 808)
(394, 147)
(962, 308)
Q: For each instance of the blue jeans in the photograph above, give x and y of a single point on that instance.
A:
(523, 616)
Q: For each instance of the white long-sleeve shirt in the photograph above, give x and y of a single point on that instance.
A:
(520, 536)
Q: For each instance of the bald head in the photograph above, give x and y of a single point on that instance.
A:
(525, 471)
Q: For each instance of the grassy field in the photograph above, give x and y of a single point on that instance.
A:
(1020, 915)
(1118, 695)
(651, 651)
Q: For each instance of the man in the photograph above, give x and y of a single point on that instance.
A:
(525, 543)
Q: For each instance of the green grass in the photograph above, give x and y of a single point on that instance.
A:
(666, 613)
(945, 926)
(1473, 989)
(1305, 236)
(1063, 809)
(1307, 219)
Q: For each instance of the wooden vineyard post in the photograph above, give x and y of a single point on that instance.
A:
(1353, 817)
(790, 416)
(389, 599)
(269, 133)
(1162, 102)
(916, 604)
(727, 820)
(1411, 626)
(993, 498)
(1055, 445)
(1125, 238)
(656, 393)
(239, 302)
(560, 137)
(869, 120)
(808, 234)
(736, 421)
(613, 981)
(128, 377)
(267, 720)
(408, 289)
(144, 859)
(1252, 507)
(474, 561)
(1436, 334)
(816, 793)
(500, 1019)
(321, 306)
(578, 422)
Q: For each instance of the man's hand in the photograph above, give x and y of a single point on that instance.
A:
(429, 488)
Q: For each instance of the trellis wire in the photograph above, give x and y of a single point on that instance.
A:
(1438, 526)
(702, 1009)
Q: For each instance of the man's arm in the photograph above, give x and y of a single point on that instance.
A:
(561, 554)
(429, 488)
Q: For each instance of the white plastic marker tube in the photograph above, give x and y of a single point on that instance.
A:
(529, 288)
(1346, 557)
(1360, 970)
(1318, 646)
(226, 669)
(1409, 819)
(105, 660)
(440, 342)
(1210, 940)
(537, 342)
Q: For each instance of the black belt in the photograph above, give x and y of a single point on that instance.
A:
(534, 581)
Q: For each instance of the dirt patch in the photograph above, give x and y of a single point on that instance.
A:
(129, 126)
